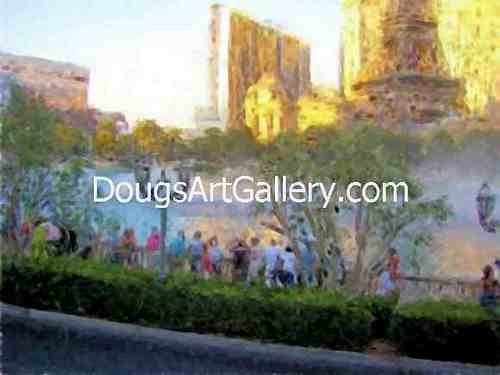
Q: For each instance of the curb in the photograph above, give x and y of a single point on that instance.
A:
(234, 351)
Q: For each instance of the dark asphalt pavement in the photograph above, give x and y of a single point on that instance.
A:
(28, 352)
(38, 342)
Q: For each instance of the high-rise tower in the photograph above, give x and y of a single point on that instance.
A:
(399, 76)
(246, 55)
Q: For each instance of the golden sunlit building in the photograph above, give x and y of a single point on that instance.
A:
(420, 60)
(268, 109)
(253, 64)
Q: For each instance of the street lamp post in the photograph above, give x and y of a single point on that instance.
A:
(163, 223)
(163, 235)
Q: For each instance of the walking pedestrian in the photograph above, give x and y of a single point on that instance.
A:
(216, 256)
(205, 262)
(272, 257)
(489, 288)
(128, 246)
(287, 274)
(309, 260)
(241, 259)
(177, 252)
(152, 246)
(195, 250)
(256, 255)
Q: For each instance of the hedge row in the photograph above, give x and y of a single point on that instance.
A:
(447, 331)
(184, 302)
(434, 330)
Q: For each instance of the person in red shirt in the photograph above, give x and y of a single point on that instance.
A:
(128, 245)
(152, 245)
(206, 264)
(488, 292)
(153, 241)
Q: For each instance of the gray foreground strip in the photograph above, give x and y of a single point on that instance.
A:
(53, 343)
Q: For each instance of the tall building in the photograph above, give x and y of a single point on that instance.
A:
(434, 55)
(393, 71)
(257, 73)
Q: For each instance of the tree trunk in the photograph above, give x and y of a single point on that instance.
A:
(13, 220)
(360, 236)
(324, 229)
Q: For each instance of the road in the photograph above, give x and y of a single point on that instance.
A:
(39, 342)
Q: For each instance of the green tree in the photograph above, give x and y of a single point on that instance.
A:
(28, 131)
(176, 147)
(218, 149)
(28, 142)
(150, 137)
(106, 138)
(40, 171)
(70, 140)
(126, 146)
(358, 154)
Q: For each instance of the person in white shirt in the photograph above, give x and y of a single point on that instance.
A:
(271, 258)
(385, 286)
(216, 256)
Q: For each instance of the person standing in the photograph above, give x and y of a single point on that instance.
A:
(152, 246)
(489, 286)
(393, 264)
(195, 250)
(256, 254)
(241, 259)
(206, 265)
(128, 246)
(308, 261)
(387, 282)
(287, 274)
(384, 284)
(216, 256)
(177, 252)
(271, 257)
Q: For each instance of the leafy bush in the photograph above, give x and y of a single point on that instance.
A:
(382, 309)
(187, 303)
(446, 330)
(435, 330)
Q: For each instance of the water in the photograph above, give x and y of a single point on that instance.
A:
(212, 218)
(461, 247)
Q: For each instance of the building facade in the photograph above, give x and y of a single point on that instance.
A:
(244, 52)
(419, 60)
(63, 86)
(398, 76)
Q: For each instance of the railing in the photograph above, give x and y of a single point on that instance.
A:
(412, 287)
(154, 262)
(416, 287)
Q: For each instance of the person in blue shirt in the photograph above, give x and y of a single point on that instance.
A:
(216, 256)
(177, 252)
(309, 260)
(195, 250)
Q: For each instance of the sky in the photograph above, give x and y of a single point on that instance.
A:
(148, 58)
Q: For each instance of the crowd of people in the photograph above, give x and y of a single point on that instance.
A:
(280, 264)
